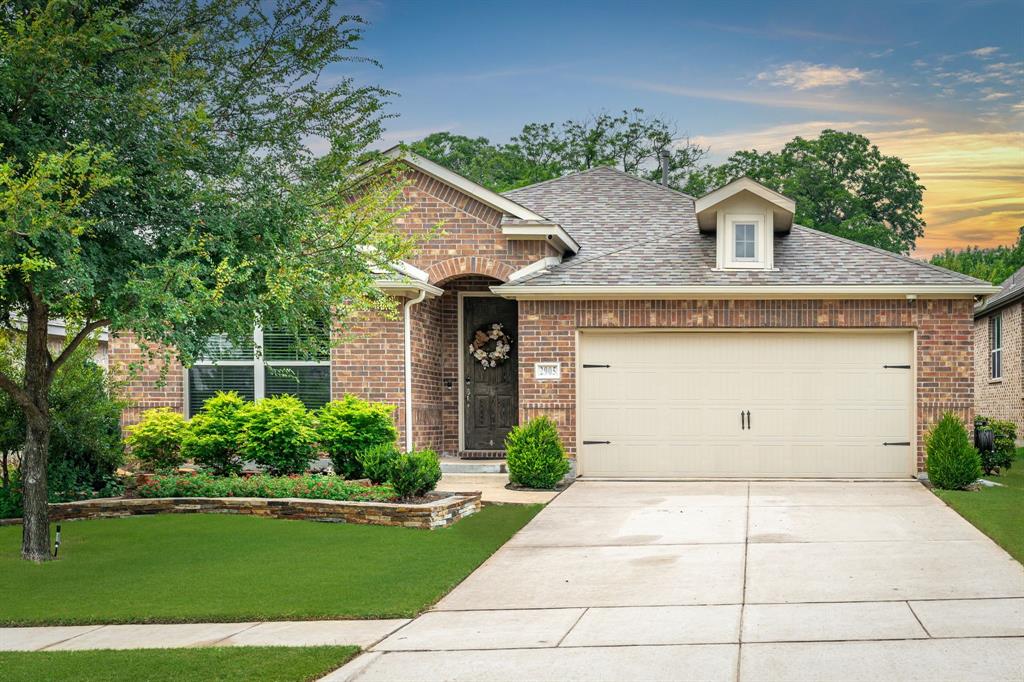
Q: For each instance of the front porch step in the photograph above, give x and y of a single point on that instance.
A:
(457, 465)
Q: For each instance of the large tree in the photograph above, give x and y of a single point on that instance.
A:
(994, 265)
(632, 141)
(841, 183)
(156, 178)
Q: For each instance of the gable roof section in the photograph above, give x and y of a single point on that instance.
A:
(478, 192)
(783, 206)
(1011, 290)
(639, 238)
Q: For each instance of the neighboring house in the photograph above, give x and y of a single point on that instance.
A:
(999, 353)
(667, 336)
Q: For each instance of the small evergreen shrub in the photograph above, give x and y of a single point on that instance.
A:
(535, 455)
(1005, 432)
(414, 474)
(213, 434)
(376, 462)
(278, 433)
(349, 426)
(307, 487)
(156, 440)
(953, 463)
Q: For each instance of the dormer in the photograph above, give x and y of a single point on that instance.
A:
(745, 216)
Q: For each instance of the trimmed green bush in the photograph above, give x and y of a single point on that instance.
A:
(213, 434)
(156, 440)
(377, 460)
(308, 487)
(535, 455)
(953, 463)
(1005, 433)
(279, 434)
(350, 426)
(414, 474)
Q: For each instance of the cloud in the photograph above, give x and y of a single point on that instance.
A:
(973, 192)
(785, 33)
(880, 53)
(804, 76)
(983, 52)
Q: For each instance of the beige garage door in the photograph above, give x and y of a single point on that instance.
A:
(746, 404)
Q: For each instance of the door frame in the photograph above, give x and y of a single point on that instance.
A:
(459, 321)
(911, 332)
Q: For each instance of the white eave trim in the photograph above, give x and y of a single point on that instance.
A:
(712, 199)
(526, 292)
(478, 192)
(535, 267)
(546, 230)
(408, 288)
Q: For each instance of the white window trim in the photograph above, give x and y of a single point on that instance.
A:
(258, 365)
(995, 354)
(731, 260)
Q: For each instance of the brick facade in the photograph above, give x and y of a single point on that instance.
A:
(1002, 398)
(149, 382)
(547, 332)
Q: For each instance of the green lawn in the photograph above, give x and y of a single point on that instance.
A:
(198, 567)
(997, 512)
(180, 665)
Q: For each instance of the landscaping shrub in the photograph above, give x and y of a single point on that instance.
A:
(156, 440)
(308, 486)
(534, 454)
(1005, 432)
(213, 434)
(953, 463)
(349, 426)
(10, 497)
(279, 433)
(414, 474)
(376, 462)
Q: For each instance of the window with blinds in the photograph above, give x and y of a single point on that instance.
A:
(274, 362)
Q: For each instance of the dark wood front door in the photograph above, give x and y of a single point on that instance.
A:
(491, 394)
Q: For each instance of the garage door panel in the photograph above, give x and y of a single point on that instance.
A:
(821, 404)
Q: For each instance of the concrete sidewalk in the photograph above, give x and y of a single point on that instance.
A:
(362, 633)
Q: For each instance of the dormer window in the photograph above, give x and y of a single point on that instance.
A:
(745, 217)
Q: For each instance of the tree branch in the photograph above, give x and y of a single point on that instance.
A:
(20, 396)
(81, 336)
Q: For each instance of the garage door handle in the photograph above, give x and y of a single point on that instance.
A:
(907, 442)
(597, 442)
(895, 366)
(586, 366)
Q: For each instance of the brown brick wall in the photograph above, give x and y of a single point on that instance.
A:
(1002, 399)
(149, 381)
(547, 332)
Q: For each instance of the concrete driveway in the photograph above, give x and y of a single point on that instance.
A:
(726, 581)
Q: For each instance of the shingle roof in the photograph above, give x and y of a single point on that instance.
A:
(633, 232)
(1010, 290)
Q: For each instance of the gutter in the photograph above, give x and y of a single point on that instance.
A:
(408, 366)
(527, 292)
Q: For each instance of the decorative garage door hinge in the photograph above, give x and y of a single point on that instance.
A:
(597, 442)
(902, 442)
(586, 366)
(895, 366)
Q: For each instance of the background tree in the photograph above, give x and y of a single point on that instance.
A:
(156, 178)
(631, 141)
(841, 184)
(995, 265)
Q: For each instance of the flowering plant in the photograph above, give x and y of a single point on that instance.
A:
(490, 345)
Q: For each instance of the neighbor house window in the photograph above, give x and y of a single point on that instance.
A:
(274, 362)
(995, 338)
(745, 235)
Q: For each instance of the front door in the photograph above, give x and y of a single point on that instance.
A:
(491, 394)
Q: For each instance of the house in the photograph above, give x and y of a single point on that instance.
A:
(999, 353)
(667, 336)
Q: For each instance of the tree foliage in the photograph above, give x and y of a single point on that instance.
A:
(842, 184)
(631, 141)
(994, 265)
(156, 177)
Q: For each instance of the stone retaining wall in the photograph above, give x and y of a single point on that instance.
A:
(439, 513)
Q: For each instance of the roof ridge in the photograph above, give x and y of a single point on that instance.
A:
(675, 192)
(898, 256)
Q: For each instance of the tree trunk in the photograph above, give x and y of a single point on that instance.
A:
(35, 538)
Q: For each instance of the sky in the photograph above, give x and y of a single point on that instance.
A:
(938, 84)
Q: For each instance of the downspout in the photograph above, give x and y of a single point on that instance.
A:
(408, 367)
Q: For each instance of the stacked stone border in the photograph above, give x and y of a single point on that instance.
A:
(438, 513)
